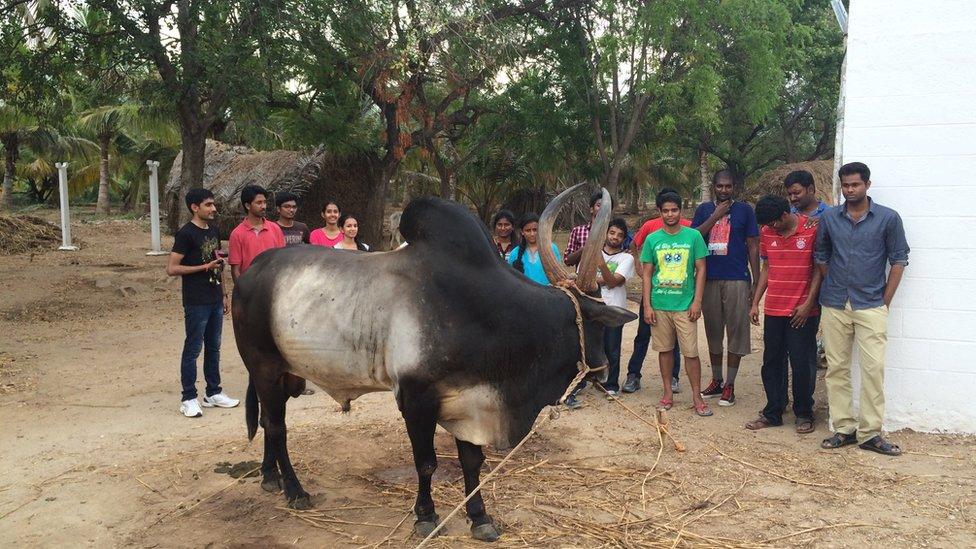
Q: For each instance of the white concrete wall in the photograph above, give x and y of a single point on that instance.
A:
(911, 117)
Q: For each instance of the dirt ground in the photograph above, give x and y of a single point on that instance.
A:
(96, 453)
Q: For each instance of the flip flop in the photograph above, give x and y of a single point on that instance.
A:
(804, 426)
(703, 410)
(665, 404)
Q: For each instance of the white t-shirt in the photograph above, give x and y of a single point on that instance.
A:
(365, 246)
(621, 263)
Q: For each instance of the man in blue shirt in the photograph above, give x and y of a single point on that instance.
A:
(802, 192)
(730, 230)
(856, 242)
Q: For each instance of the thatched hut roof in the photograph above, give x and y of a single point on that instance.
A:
(771, 182)
(314, 176)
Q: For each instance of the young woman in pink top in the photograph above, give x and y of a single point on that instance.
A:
(331, 234)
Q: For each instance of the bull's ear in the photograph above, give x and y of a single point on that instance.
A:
(610, 316)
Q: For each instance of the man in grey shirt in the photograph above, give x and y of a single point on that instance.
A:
(856, 241)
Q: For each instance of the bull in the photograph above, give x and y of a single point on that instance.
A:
(462, 340)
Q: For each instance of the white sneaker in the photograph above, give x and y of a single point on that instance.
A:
(220, 400)
(191, 408)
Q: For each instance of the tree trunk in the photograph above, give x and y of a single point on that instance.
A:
(135, 196)
(9, 165)
(191, 169)
(371, 228)
(612, 181)
(446, 176)
(640, 202)
(706, 184)
(406, 191)
(102, 205)
(448, 186)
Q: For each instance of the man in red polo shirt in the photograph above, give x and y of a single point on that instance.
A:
(791, 283)
(255, 234)
(643, 337)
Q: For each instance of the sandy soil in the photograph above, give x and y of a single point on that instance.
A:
(95, 452)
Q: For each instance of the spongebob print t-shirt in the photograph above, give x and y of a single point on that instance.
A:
(673, 257)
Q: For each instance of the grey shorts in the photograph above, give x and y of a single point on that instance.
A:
(725, 307)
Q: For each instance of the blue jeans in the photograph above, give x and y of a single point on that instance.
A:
(204, 324)
(641, 342)
(612, 341)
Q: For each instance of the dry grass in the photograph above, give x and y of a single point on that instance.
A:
(771, 182)
(26, 233)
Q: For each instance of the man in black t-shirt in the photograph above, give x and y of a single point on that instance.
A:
(296, 232)
(206, 299)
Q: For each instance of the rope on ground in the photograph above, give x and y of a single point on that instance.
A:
(661, 424)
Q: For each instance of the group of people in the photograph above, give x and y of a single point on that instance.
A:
(197, 259)
(834, 269)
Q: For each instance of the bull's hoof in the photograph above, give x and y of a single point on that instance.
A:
(300, 502)
(485, 532)
(423, 528)
(272, 485)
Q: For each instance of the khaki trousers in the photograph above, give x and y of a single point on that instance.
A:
(869, 329)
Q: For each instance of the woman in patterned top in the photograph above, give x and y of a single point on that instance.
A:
(503, 233)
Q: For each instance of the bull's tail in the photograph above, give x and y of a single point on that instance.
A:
(252, 409)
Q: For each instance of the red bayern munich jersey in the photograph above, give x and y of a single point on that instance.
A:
(790, 264)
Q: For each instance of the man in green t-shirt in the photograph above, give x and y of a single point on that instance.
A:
(674, 280)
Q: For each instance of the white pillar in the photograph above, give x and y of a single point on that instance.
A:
(65, 213)
(154, 207)
(839, 132)
(841, 13)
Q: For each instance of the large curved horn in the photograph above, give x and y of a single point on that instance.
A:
(593, 250)
(555, 271)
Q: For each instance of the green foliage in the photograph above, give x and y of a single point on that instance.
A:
(487, 96)
(779, 71)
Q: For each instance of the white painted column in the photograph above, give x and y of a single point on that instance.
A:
(65, 212)
(154, 207)
(841, 13)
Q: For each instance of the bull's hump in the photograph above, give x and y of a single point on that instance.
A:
(447, 227)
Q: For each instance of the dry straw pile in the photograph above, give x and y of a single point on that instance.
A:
(771, 182)
(26, 233)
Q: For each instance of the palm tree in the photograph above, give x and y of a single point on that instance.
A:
(40, 174)
(18, 128)
(104, 124)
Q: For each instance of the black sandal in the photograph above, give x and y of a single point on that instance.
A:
(881, 446)
(837, 440)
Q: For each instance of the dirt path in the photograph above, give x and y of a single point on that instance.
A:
(95, 452)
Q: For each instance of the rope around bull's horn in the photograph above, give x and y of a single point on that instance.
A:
(584, 369)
